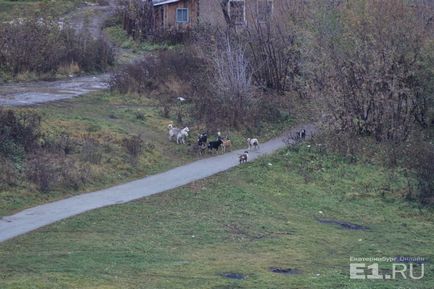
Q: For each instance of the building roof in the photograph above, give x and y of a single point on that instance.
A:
(163, 2)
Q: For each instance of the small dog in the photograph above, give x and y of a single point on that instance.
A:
(226, 144)
(253, 143)
(244, 157)
(182, 134)
(173, 131)
(302, 134)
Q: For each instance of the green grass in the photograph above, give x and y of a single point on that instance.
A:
(244, 221)
(109, 118)
(130, 48)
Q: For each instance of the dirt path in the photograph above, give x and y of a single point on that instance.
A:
(40, 216)
(91, 17)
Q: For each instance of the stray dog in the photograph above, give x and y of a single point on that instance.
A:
(214, 145)
(302, 134)
(202, 139)
(226, 144)
(182, 134)
(173, 131)
(244, 157)
(253, 143)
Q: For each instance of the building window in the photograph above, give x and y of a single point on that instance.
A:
(265, 10)
(237, 11)
(182, 15)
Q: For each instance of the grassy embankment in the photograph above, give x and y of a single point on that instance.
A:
(244, 221)
(108, 119)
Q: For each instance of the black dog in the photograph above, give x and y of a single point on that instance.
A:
(202, 139)
(214, 145)
(302, 134)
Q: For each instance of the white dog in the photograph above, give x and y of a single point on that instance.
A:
(253, 143)
(173, 131)
(182, 134)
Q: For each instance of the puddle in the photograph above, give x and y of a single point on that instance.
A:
(343, 225)
(285, 271)
(236, 276)
(19, 94)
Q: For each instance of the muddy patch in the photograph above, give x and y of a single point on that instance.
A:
(343, 225)
(285, 271)
(236, 276)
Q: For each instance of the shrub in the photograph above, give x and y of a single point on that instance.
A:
(91, 151)
(43, 170)
(50, 171)
(39, 45)
(9, 173)
(19, 132)
(419, 157)
(134, 146)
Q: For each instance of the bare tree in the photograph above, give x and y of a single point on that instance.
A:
(137, 18)
(233, 81)
(370, 73)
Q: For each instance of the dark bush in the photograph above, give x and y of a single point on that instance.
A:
(44, 171)
(51, 171)
(419, 157)
(61, 144)
(9, 175)
(134, 146)
(73, 175)
(19, 132)
(91, 151)
(40, 46)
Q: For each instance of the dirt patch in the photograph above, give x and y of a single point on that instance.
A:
(236, 276)
(343, 225)
(285, 271)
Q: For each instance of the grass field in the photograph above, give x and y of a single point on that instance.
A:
(244, 221)
(108, 119)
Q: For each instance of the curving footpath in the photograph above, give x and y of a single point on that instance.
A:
(40, 216)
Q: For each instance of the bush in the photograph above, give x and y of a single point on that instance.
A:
(19, 132)
(43, 170)
(134, 145)
(91, 151)
(50, 171)
(9, 173)
(37, 45)
(163, 78)
(419, 157)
